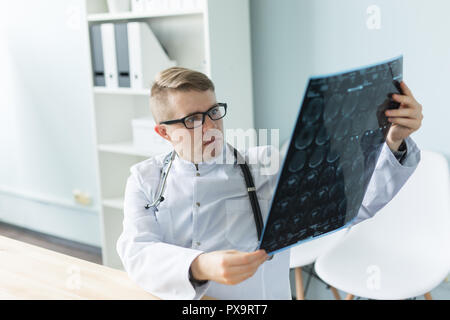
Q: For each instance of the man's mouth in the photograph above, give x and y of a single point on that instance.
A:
(210, 141)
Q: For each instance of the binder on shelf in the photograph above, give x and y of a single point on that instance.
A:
(109, 55)
(147, 57)
(97, 56)
(123, 64)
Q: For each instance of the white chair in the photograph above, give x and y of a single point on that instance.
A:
(306, 253)
(404, 251)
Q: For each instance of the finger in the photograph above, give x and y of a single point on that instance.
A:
(236, 274)
(242, 276)
(236, 253)
(405, 122)
(240, 258)
(245, 276)
(406, 100)
(238, 278)
(237, 269)
(406, 91)
(408, 113)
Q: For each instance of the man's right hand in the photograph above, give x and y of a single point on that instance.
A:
(227, 266)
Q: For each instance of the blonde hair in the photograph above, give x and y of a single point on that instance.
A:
(175, 79)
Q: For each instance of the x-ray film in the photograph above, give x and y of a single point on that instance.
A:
(334, 148)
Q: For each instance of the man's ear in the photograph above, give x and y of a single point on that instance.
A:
(161, 130)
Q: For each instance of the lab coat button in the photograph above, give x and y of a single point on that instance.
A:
(198, 243)
(198, 174)
(198, 204)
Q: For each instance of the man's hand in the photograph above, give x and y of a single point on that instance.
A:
(405, 120)
(227, 266)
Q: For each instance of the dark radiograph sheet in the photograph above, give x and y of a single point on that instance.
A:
(332, 155)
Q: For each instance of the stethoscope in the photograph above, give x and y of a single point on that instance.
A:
(238, 159)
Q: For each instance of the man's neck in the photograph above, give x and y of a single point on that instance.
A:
(201, 159)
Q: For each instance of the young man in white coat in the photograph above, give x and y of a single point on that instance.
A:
(202, 237)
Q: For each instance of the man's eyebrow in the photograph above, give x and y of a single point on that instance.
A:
(192, 113)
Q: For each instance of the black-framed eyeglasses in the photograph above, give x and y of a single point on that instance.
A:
(216, 112)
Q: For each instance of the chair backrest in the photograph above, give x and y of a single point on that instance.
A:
(418, 218)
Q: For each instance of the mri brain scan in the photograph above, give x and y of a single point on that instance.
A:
(334, 148)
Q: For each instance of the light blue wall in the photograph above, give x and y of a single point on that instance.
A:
(293, 39)
(47, 141)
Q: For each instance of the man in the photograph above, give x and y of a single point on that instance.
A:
(202, 238)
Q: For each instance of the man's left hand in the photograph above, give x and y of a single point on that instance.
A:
(405, 120)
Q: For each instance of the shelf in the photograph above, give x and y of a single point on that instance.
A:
(98, 17)
(115, 203)
(194, 37)
(127, 148)
(123, 91)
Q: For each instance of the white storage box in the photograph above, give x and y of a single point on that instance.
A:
(145, 138)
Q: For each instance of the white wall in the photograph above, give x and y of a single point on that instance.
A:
(47, 142)
(294, 39)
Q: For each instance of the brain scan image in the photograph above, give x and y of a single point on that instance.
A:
(333, 151)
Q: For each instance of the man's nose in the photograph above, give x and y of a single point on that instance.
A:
(209, 124)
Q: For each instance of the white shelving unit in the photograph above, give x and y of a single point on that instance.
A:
(131, 15)
(215, 40)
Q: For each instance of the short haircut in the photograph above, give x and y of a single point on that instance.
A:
(175, 79)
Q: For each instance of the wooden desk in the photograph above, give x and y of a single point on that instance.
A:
(31, 272)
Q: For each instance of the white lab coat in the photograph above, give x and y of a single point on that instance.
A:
(212, 212)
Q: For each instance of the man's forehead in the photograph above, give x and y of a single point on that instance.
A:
(184, 103)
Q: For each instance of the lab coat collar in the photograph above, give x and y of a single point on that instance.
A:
(205, 165)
